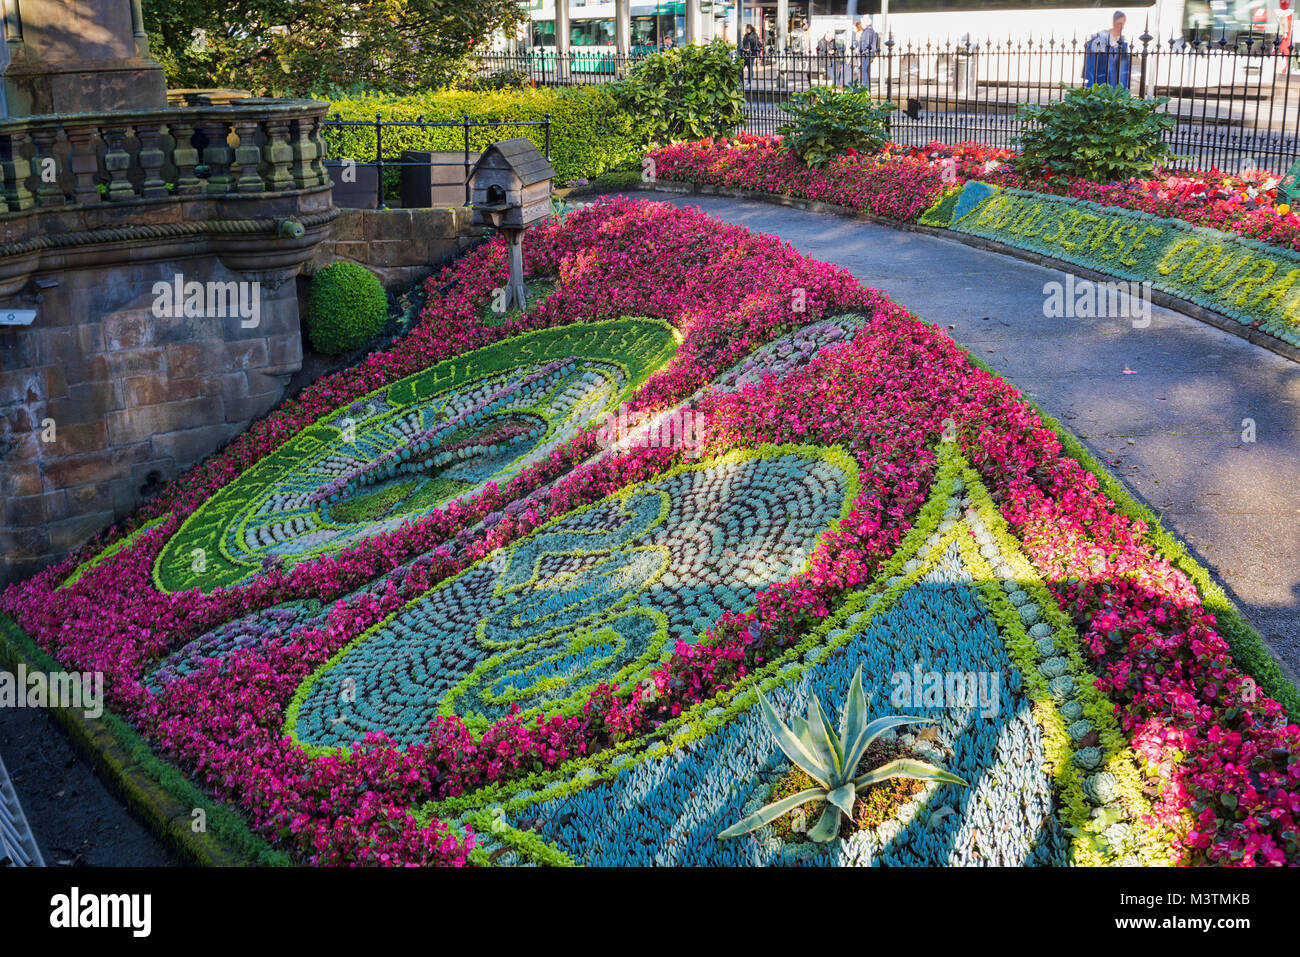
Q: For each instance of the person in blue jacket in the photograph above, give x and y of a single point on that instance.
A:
(1107, 57)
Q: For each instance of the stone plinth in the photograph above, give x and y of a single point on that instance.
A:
(122, 382)
(77, 57)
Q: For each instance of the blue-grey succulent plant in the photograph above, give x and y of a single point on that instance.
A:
(831, 760)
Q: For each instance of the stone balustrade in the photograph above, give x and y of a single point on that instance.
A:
(99, 210)
(219, 148)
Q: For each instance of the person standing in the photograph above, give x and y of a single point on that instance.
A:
(750, 49)
(828, 50)
(866, 45)
(1106, 56)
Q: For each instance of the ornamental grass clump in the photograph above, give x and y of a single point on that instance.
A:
(832, 759)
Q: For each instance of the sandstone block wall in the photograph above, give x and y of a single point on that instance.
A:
(398, 245)
(134, 399)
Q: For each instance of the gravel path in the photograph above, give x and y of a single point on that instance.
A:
(76, 820)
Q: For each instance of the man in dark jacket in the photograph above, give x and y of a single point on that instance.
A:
(750, 48)
(830, 54)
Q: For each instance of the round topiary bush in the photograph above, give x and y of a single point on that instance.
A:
(346, 307)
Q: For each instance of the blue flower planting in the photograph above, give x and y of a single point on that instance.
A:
(670, 809)
(942, 636)
(596, 595)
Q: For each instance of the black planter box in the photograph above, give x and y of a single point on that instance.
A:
(428, 180)
(362, 192)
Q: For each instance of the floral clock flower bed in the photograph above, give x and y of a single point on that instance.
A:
(901, 182)
(398, 453)
(445, 608)
(963, 601)
(1240, 278)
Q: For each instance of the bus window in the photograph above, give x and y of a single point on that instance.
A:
(1235, 21)
(543, 33)
(591, 33)
(582, 33)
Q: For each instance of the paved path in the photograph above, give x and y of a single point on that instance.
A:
(76, 820)
(1172, 430)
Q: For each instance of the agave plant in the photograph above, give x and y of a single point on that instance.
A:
(832, 759)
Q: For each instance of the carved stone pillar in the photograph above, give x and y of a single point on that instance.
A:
(81, 58)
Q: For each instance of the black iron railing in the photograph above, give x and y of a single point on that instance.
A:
(1234, 103)
(382, 152)
(545, 67)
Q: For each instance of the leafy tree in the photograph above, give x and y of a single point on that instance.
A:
(687, 92)
(299, 47)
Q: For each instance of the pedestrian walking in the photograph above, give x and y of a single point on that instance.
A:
(828, 52)
(866, 44)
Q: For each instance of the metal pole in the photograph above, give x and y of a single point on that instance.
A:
(465, 126)
(562, 27)
(379, 161)
(548, 136)
(1146, 39)
(623, 27)
(889, 68)
(693, 17)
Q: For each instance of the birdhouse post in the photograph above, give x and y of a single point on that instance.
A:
(510, 189)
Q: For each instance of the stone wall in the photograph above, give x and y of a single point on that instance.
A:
(398, 245)
(103, 399)
(134, 399)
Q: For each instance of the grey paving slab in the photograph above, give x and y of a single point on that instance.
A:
(1171, 427)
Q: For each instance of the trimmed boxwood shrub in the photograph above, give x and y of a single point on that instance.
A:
(590, 133)
(346, 307)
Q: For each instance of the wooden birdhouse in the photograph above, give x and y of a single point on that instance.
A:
(511, 185)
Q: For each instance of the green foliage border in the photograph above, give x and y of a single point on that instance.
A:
(1149, 242)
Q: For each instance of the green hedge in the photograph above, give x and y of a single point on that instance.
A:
(589, 132)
